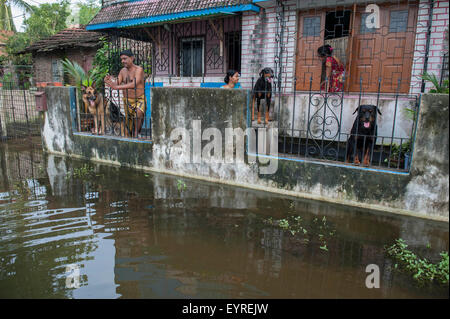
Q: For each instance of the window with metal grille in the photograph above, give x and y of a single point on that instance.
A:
(192, 57)
(57, 71)
(364, 29)
(233, 45)
(311, 27)
(399, 21)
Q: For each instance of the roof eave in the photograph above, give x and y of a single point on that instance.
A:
(59, 47)
(172, 17)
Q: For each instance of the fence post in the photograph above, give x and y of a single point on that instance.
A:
(77, 101)
(12, 108)
(26, 111)
(3, 133)
(73, 107)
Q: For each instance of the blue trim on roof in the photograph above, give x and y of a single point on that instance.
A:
(172, 16)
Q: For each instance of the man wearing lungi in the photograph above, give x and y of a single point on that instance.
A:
(131, 81)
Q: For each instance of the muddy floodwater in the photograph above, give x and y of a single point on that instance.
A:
(73, 229)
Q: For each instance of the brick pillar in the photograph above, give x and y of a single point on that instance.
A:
(253, 36)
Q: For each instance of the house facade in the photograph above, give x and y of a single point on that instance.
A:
(385, 45)
(75, 44)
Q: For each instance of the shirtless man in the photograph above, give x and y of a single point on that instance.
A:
(131, 81)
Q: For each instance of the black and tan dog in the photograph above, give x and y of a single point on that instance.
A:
(94, 103)
(115, 120)
(262, 91)
(363, 134)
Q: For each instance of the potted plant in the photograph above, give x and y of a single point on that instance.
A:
(399, 155)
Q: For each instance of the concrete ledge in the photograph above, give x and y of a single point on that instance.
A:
(108, 137)
(112, 150)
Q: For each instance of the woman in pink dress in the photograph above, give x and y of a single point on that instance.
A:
(334, 70)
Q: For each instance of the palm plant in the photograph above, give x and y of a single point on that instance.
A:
(77, 73)
(437, 87)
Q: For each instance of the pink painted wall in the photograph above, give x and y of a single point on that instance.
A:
(170, 44)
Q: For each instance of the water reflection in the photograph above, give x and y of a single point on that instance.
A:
(139, 235)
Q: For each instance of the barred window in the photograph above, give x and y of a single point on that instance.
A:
(57, 71)
(311, 27)
(364, 29)
(399, 21)
(192, 57)
(233, 45)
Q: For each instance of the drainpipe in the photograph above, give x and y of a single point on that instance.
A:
(427, 47)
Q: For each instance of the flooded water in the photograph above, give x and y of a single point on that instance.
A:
(71, 229)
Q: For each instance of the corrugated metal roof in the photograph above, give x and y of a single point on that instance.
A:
(135, 12)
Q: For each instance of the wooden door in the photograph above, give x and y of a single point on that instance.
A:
(310, 37)
(385, 53)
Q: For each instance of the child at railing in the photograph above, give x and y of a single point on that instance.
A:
(334, 70)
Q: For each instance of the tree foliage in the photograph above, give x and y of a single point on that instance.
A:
(6, 18)
(44, 21)
(47, 19)
(86, 11)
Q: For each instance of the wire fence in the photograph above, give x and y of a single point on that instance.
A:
(16, 76)
(18, 115)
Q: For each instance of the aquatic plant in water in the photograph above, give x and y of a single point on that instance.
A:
(181, 185)
(296, 227)
(422, 270)
(22, 190)
(84, 171)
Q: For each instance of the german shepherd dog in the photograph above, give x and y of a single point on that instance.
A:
(262, 91)
(94, 103)
(363, 134)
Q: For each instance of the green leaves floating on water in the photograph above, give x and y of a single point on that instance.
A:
(296, 227)
(22, 189)
(83, 172)
(283, 223)
(423, 271)
(181, 185)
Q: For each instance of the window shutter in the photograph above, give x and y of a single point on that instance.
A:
(310, 38)
(385, 53)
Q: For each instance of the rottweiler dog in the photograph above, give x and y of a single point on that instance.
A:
(94, 103)
(363, 134)
(262, 91)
